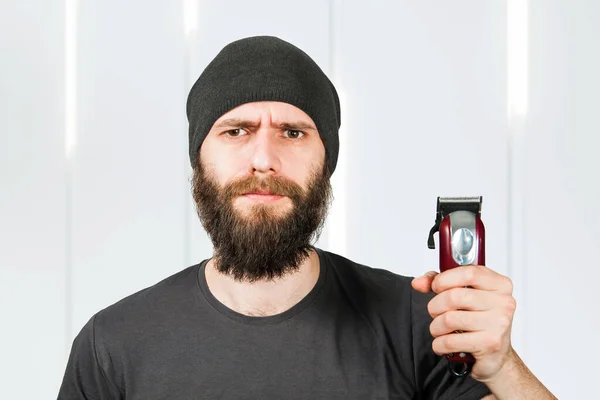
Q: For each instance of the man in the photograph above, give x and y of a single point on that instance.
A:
(270, 316)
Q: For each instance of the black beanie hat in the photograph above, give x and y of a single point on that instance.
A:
(263, 68)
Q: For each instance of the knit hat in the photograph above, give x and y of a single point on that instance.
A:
(263, 68)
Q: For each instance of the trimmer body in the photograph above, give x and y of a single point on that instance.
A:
(461, 242)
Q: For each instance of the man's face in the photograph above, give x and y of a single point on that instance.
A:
(262, 189)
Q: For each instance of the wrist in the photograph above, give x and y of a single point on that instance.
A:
(511, 369)
(515, 381)
(506, 382)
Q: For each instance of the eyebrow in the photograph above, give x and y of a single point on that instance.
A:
(236, 122)
(240, 123)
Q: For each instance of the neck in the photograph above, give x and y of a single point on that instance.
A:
(264, 298)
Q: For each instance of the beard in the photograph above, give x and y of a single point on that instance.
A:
(265, 242)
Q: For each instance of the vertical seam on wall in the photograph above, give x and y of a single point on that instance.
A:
(189, 31)
(70, 121)
(68, 255)
(186, 210)
(517, 27)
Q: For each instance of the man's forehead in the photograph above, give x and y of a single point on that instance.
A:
(276, 112)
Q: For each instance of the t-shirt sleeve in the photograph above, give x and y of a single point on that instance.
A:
(433, 379)
(84, 378)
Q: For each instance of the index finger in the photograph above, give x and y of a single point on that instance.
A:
(475, 276)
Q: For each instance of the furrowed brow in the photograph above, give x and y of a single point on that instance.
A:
(244, 123)
(236, 123)
(298, 125)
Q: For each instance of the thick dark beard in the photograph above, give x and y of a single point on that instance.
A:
(261, 245)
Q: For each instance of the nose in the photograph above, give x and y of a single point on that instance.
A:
(265, 157)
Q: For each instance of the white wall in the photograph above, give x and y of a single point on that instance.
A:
(128, 173)
(560, 171)
(33, 200)
(425, 88)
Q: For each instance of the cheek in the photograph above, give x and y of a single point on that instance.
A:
(221, 165)
(300, 174)
(303, 162)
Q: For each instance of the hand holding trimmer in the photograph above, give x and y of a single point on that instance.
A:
(462, 242)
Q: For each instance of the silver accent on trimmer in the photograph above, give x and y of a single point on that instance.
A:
(463, 237)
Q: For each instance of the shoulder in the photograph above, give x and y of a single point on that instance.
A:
(374, 280)
(149, 305)
(379, 292)
(369, 275)
(125, 330)
(375, 288)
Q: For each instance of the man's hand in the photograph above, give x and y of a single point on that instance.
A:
(483, 311)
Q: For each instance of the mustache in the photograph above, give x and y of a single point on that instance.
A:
(252, 184)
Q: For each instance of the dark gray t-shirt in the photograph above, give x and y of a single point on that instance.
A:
(361, 333)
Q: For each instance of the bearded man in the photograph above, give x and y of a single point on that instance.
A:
(269, 315)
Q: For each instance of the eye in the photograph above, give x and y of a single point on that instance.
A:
(293, 134)
(235, 132)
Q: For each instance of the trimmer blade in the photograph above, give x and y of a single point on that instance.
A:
(446, 205)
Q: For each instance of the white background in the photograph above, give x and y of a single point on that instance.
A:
(452, 98)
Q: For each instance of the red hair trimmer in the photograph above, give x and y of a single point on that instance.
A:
(462, 242)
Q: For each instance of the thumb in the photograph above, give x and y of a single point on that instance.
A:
(423, 283)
